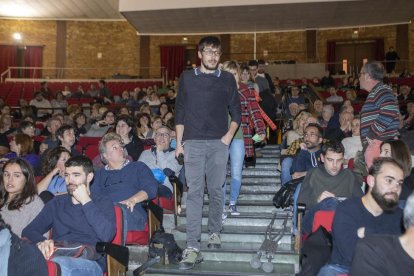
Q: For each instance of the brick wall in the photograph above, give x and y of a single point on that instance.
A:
(117, 41)
(119, 44)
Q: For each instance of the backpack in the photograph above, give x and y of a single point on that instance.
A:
(316, 252)
(284, 197)
(163, 244)
(162, 249)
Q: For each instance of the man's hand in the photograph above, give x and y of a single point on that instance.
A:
(81, 194)
(325, 194)
(179, 149)
(298, 175)
(130, 203)
(226, 139)
(47, 248)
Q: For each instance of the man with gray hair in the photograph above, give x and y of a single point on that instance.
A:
(380, 114)
(372, 254)
(125, 183)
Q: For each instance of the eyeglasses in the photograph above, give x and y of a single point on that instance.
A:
(311, 135)
(210, 52)
(164, 135)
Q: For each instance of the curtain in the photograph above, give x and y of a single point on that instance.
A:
(379, 49)
(330, 56)
(172, 58)
(33, 57)
(8, 57)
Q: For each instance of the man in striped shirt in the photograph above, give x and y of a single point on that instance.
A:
(380, 113)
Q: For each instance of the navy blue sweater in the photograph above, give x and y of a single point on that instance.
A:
(351, 215)
(204, 102)
(122, 184)
(87, 224)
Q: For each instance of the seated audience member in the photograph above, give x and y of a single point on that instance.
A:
(29, 128)
(384, 255)
(77, 217)
(123, 99)
(327, 80)
(53, 171)
(59, 103)
(294, 96)
(317, 108)
(352, 144)
(343, 129)
(92, 92)
(310, 157)
(21, 145)
(161, 157)
(171, 97)
(79, 93)
(66, 136)
(45, 90)
(407, 122)
(298, 127)
(323, 185)
(125, 127)
(101, 127)
(42, 104)
(405, 94)
(376, 212)
(19, 203)
(144, 130)
(79, 124)
(291, 152)
(327, 114)
(164, 109)
(399, 151)
(126, 183)
(334, 98)
(51, 141)
(104, 94)
(4, 144)
(95, 114)
(6, 124)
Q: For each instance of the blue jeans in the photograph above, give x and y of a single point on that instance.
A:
(333, 270)
(236, 152)
(328, 204)
(78, 266)
(285, 176)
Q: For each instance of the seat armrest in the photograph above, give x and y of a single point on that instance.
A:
(118, 252)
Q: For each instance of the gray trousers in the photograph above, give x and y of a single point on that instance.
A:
(205, 162)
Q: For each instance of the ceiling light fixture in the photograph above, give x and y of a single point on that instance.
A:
(17, 36)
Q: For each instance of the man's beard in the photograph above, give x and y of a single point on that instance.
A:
(384, 203)
(208, 67)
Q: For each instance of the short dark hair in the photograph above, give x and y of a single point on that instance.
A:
(62, 129)
(261, 62)
(26, 124)
(374, 69)
(253, 62)
(334, 146)
(379, 162)
(209, 41)
(80, 161)
(320, 130)
(129, 121)
(29, 190)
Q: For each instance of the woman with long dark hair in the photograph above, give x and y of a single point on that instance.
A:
(19, 202)
(125, 127)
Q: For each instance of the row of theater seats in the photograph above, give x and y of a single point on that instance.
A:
(11, 92)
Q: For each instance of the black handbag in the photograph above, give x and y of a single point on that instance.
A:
(284, 197)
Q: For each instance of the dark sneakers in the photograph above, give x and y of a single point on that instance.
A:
(191, 256)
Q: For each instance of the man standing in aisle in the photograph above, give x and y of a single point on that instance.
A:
(206, 97)
(380, 114)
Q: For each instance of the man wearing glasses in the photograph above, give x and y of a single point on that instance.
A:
(161, 160)
(380, 114)
(206, 97)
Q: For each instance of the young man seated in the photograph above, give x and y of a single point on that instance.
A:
(376, 212)
(323, 185)
(308, 158)
(75, 217)
(161, 157)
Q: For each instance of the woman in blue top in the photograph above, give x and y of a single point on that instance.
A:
(21, 145)
(53, 169)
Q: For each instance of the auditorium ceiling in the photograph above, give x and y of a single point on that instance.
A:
(214, 16)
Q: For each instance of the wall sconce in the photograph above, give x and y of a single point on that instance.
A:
(17, 36)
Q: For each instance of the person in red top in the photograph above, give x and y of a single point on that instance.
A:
(242, 143)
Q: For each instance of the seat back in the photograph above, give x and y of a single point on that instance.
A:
(323, 218)
(119, 220)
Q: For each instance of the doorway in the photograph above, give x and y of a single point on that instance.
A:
(354, 53)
